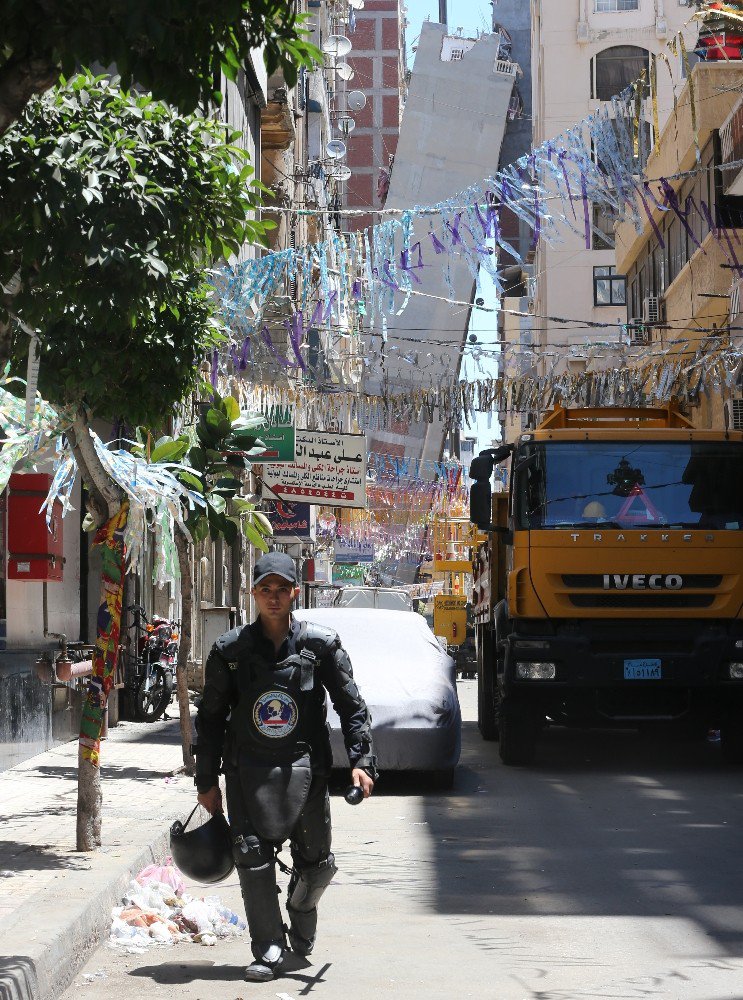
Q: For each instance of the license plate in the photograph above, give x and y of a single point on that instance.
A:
(642, 670)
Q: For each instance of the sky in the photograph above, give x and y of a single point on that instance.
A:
(472, 16)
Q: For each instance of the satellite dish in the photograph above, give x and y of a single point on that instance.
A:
(346, 125)
(344, 71)
(337, 45)
(336, 149)
(356, 100)
(341, 172)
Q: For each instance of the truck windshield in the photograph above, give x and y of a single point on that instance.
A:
(624, 484)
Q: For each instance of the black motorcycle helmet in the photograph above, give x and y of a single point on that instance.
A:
(203, 854)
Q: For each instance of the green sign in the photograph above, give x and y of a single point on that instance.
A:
(348, 573)
(279, 438)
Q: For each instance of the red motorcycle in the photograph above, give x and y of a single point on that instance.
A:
(151, 681)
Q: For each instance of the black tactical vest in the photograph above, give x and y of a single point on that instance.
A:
(278, 709)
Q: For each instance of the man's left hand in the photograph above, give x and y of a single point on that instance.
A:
(362, 779)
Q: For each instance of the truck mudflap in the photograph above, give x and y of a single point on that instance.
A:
(624, 672)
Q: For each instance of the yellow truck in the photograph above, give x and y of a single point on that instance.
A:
(609, 589)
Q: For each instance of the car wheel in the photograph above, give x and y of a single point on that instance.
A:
(519, 729)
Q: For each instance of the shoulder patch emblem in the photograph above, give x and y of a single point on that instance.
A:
(233, 664)
(275, 714)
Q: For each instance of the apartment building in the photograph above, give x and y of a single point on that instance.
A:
(377, 71)
(684, 278)
(583, 53)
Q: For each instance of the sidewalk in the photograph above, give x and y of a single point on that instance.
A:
(55, 902)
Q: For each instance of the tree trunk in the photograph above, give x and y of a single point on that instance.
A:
(89, 795)
(110, 514)
(183, 547)
(21, 79)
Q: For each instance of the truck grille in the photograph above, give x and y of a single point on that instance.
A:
(641, 601)
(692, 581)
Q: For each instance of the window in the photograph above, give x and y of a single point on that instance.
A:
(607, 6)
(617, 68)
(676, 484)
(609, 288)
(457, 54)
(603, 228)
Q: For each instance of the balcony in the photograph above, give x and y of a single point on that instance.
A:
(731, 142)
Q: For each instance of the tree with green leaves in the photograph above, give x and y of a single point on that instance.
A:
(176, 49)
(211, 459)
(112, 207)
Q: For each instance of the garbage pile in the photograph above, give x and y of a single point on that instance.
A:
(157, 910)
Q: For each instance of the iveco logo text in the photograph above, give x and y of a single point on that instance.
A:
(643, 581)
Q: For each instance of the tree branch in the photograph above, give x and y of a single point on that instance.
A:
(104, 497)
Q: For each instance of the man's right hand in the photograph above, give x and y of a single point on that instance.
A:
(211, 800)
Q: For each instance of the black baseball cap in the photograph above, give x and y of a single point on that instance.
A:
(275, 564)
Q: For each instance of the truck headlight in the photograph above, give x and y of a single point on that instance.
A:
(541, 671)
(736, 671)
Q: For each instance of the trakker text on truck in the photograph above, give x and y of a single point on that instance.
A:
(609, 589)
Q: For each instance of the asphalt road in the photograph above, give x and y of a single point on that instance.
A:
(612, 868)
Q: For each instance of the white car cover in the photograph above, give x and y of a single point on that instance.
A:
(408, 682)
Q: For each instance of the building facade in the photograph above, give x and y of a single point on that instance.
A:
(583, 53)
(377, 63)
(687, 274)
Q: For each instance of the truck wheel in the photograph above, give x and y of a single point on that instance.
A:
(731, 742)
(519, 729)
(487, 721)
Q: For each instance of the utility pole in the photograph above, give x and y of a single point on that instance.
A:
(443, 16)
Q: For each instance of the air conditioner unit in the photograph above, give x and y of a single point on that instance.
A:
(736, 305)
(734, 414)
(651, 308)
(639, 332)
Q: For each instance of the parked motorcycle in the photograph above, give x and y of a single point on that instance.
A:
(152, 679)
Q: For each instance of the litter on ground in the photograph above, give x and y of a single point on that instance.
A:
(156, 910)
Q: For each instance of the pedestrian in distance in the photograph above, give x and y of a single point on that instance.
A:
(262, 721)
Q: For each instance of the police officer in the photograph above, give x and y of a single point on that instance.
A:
(262, 721)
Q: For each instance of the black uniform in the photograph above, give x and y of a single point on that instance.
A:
(262, 720)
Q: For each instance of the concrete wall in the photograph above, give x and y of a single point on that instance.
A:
(450, 138)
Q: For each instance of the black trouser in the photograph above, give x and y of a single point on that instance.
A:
(310, 843)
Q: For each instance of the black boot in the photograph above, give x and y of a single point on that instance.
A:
(260, 896)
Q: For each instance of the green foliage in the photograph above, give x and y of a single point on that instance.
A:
(112, 207)
(173, 48)
(215, 455)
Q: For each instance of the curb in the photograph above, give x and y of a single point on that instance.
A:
(53, 935)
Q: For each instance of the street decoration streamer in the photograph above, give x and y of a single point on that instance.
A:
(598, 161)
(23, 437)
(680, 371)
(110, 538)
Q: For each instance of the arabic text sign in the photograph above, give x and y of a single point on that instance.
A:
(330, 469)
(293, 520)
(354, 552)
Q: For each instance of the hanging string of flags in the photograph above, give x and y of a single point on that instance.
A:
(713, 364)
(373, 273)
